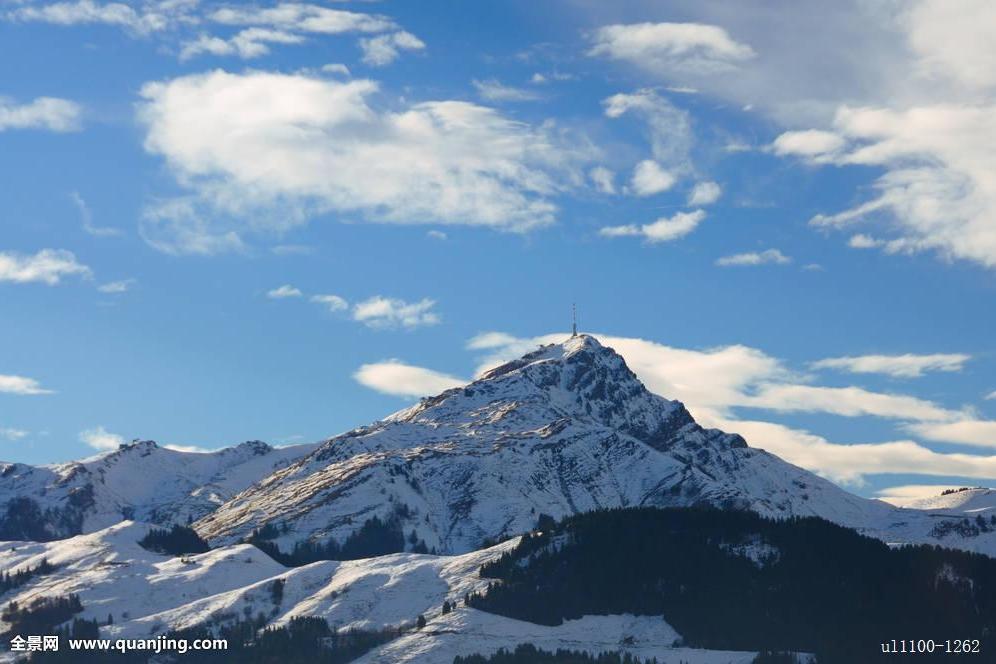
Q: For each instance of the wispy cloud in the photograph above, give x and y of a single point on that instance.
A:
(399, 379)
(246, 44)
(668, 128)
(48, 266)
(384, 312)
(330, 302)
(48, 113)
(21, 385)
(663, 47)
(150, 17)
(385, 49)
(117, 287)
(11, 434)
(664, 229)
(283, 292)
(766, 257)
(493, 90)
(603, 179)
(87, 218)
(704, 193)
(100, 438)
(898, 366)
(966, 432)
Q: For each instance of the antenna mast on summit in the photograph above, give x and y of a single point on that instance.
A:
(574, 317)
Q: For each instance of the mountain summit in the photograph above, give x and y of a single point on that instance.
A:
(565, 429)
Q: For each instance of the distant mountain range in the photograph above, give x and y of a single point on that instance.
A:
(140, 481)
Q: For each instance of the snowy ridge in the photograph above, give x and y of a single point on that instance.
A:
(565, 429)
(137, 481)
(967, 501)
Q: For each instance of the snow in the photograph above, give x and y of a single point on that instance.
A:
(142, 481)
(467, 631)
(148, 594)
(970, 501)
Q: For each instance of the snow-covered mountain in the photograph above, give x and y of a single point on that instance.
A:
(137, 481)
(565, 429)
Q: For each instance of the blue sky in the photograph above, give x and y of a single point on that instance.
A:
(223, 222)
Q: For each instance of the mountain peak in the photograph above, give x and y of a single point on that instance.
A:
(577, 380)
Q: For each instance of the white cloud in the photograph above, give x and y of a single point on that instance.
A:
(669, 129)
(862, 241)
(811, 143)
(49, 113)
(845, 401)
(115, 287)
(383, 312)
(397, 378)
(671, 47)
(966, 432)
(302, 17)
(101, 439)
(649, 179)
(991, 396)
(907, 495)
(603, 179)
(385, 49)
(540, 78)
(263, 152)
(21, 385)
(184, 226)
(283, 23)
(150, 17)
(48, 266)
(8, 433)
(766, 257)
(493, 90)
(283, 292)
(87, 217)
(704, 193)
(849, 463)
(664, 229)
(331, 302)
(336, 68)
(939, 190)
(247, 44)
(899, 366)
(437, 235)
(954, 40)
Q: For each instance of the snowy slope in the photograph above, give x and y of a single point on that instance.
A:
(565, 429)
(969, 501)
(141, 481)
(148, 594)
